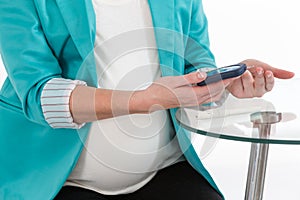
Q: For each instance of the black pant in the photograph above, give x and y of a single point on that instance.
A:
(177, 182)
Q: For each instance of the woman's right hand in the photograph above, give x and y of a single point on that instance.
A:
(182, 91)
(89, 104)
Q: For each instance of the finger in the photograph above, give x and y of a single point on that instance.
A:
(214, 88)
(193, 96)
(188, 79)
(259, 82)
(214, 98)
(247, 85)
(205, 92)
(269, 80)
(282, 74)
(236, 88)
(278, 73)
(229, 81)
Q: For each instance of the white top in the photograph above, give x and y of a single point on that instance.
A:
(123, 153)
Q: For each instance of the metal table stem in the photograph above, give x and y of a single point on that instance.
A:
(263, 121)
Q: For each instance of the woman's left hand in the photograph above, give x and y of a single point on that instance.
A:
(257, 80)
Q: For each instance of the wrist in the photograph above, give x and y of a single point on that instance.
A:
(140, 102)
(145, 101)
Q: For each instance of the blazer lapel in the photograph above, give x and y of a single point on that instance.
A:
(79, 17)
(163, 22)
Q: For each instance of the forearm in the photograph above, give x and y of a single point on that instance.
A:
(89, 104)
(72, 103)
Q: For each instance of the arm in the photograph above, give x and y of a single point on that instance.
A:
(165, 93)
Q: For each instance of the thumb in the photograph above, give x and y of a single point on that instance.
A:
(195, 77)
(188, 79)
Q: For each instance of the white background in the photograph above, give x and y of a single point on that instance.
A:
(267, 30)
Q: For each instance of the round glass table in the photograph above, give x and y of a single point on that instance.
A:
(272, 119)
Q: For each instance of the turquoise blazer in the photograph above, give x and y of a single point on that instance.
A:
(44, 39)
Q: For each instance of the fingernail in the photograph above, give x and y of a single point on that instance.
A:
(260, 72)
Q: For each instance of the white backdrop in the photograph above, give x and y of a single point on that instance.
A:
(267, 30)
(264, 29)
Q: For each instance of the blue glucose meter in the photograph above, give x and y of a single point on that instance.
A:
(222, 73)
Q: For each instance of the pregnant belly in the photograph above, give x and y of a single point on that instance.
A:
(124, 153)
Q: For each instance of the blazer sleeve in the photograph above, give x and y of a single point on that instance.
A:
(198, 53)
(26, 55)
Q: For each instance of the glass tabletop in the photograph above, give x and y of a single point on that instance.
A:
(232, 120)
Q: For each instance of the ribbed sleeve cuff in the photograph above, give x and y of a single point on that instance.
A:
(55, 99)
